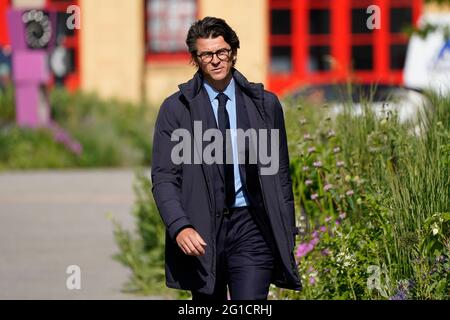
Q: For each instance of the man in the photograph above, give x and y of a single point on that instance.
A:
(227, 223)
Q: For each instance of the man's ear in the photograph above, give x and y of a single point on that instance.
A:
(194, 62)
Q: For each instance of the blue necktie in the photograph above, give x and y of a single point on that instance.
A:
(228, 169)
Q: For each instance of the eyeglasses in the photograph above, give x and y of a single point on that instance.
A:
(222, 55)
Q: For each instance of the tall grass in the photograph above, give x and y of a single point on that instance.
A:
(401, 217)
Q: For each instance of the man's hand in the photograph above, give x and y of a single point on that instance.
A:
(190, 242)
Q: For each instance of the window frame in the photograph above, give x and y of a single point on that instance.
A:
(340, 39)
(164, 57)
(73, 80)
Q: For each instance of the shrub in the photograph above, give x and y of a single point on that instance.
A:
(111, 133)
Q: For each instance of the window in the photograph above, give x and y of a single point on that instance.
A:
(400, 18)
(359, 21)
(397, 56)
(167, 23)
(281, 61)
(319, 49)
(319, 58)
(67, 42)
(319, 21)
(324, 41)
(362, 57)
(281, 21)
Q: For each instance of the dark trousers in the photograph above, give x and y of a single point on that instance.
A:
(244, 260)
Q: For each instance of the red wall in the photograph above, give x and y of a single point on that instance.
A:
(4, 5)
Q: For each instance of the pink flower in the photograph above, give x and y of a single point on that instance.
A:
(349, 193)
(303, 249)
(311, 150)
(323, 228)
(307, 136)
(314, 241)
(314, 196)
(338, 222)
(312, 280)
(317, 164)
(328, 219)
(308, 182)
(305, 168)
(342, 215)
(340, 164)
(328, 187)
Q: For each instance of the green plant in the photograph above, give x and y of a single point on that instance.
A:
(143, 252)
(370, 194)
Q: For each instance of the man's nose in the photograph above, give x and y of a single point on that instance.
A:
(215, 59)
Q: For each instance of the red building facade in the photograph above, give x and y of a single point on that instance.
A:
(325, 41)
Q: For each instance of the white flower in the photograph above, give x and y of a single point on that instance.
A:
(435, 229)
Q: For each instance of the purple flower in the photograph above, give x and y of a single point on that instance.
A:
(325, 252)
(314, 241)
(312, 280)
(323, 229)
(338, 222)
(311, 150)
(349, 193)
(327, 219)
(314, 196)
(315, 234)
(401, 295)
(317, 164)
(303, 249)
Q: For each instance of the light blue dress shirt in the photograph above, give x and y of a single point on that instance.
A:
(230, 91)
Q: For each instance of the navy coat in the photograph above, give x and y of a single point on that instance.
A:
(184, 193)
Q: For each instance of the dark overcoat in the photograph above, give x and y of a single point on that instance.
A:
(184, 193)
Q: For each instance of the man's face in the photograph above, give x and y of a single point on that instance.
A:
(215, 69)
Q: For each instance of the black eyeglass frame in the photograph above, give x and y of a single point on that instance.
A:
(204, 55)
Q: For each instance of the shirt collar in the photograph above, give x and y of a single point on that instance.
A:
(212, 93)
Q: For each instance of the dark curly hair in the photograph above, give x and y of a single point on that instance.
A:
(211, 27)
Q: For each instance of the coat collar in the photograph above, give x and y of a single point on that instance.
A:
(255, 91)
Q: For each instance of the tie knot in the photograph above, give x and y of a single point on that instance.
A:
(222, 97)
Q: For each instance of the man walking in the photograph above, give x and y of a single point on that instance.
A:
(229, 226)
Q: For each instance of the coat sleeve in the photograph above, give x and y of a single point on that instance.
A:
(167, 176)
(284, 172)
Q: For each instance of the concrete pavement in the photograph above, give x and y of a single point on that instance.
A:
(50, 220)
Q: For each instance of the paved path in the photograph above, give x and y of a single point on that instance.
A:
(50, 220)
